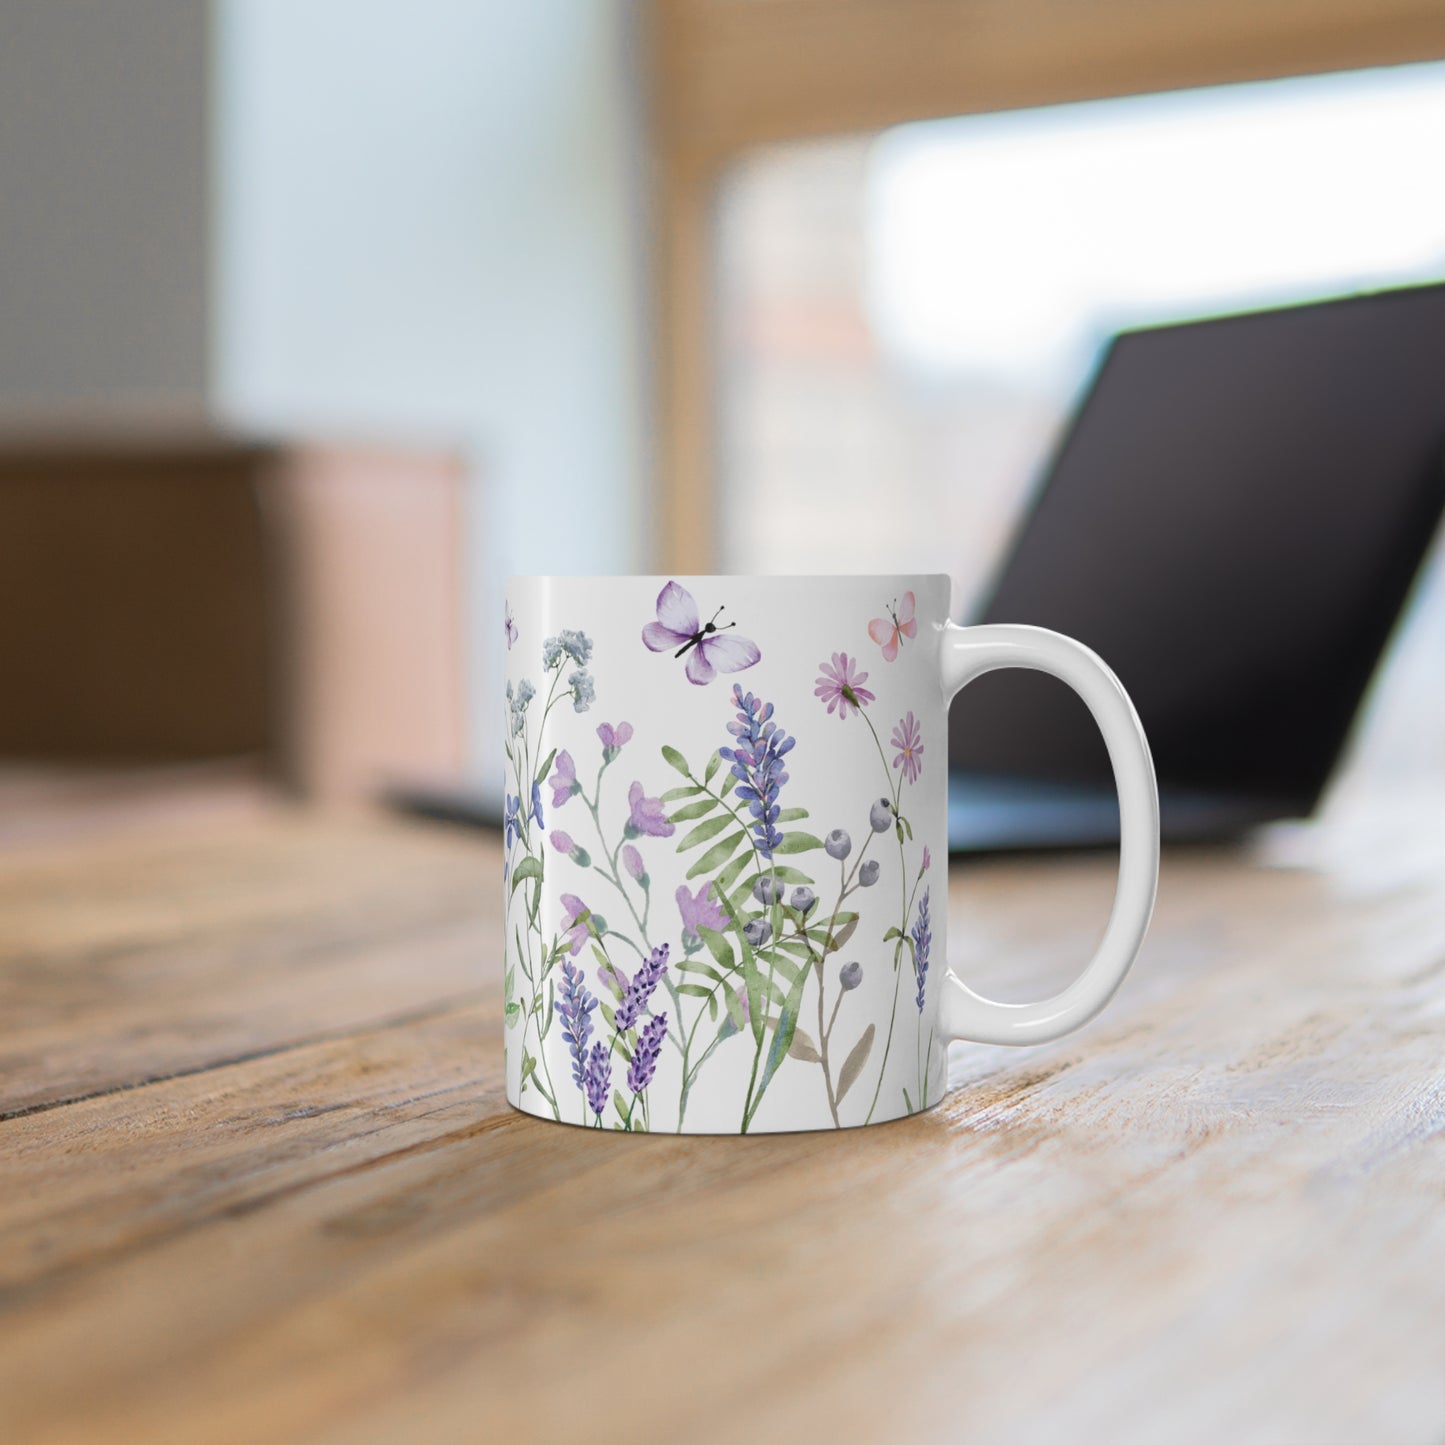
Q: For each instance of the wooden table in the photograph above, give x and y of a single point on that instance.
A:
(260, 1181)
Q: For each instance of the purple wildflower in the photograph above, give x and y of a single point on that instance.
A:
(614, 739)
(574, 1007)
(757, 764)
(644, 1056)
(513, 818)
(562, 842)
(922, 941)
(598, 1082)
(927, 860)
(698, 911)
(841, 685)
(639, 991)
(536, 811)
(563, 781)
(509, 626)
(908, 739)
(632, 861)
(573, 924)
(648, 816)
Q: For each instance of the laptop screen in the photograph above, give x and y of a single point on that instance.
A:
(1232, 522)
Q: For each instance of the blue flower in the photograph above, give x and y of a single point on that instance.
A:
(537, 803)
(757, 764)
(647, 977)
(599, 1077)
(644, 1057)
(922, 942)
(584, 693)
(512, 818)
(574, 1007)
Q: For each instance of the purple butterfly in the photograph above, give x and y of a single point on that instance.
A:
(708, 651)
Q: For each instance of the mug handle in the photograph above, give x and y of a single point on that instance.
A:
(969, 652)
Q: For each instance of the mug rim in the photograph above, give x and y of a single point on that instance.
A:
(729, 576)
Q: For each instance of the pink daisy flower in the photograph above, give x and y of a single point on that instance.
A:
(908, 739)
(841, 685)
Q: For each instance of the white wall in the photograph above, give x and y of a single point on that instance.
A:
(103, 231)
(427, 224)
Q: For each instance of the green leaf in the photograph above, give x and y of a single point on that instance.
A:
(803, 1048)
(794, 946)
(717, 855)
(675, 759)
(753, 982)
(733, 1003)
(698, 809)
(619, 1103)
(898, 828)
(696, 965)
(853, 1064)
(894, 932)
(529, 867)
(708, 828)
(695, 990)
(909, 1102)
(672, 795)
(712, 1005)
(729, 783)
(713, 764)
(798, 843)
(547, 766)
(719, 947)
(908, 826)
(783, 873)
(791, 815)
(782, 1041)
(725, 880)
(842, 926)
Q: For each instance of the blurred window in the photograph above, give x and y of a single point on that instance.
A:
(905, 319)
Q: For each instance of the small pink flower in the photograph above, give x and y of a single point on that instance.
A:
(632, 861)
(648, 816)
(577, 933)
(908, 739)
(563, 781)
(841, 685)
(562, 842)
(699, 910)
(927, 859)
(614, 738)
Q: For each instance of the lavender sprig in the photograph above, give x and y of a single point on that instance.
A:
(757, 764)
(599, 1077)
(922, 942)
(645, 1055)
(639, 991)
(574, 1007)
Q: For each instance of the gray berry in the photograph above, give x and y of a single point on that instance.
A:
(838, 844)
(850, 975)
(803, 899)
(868, 873)
(881, 815)
(758, 932)
(767, 890)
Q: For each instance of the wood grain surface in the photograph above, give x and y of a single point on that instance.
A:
(259, 1180)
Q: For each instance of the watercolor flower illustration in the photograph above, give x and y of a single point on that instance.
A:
(574, 923)
(922, 936)
(509, 626)
(840, 685)
(564, 778)
(614, 739)
(757, 764)
(698, 911)
(908, 739)
(707, 647)
(575, 1004)
(648, 817)
(632, 861)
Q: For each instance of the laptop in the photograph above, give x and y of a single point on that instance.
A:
(1233, 521)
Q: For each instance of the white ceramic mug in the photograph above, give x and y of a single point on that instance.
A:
(726, 849)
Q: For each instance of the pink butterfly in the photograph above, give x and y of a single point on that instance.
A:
(708, 651)
(889, 635)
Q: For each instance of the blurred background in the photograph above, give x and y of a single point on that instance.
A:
(317, 319)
